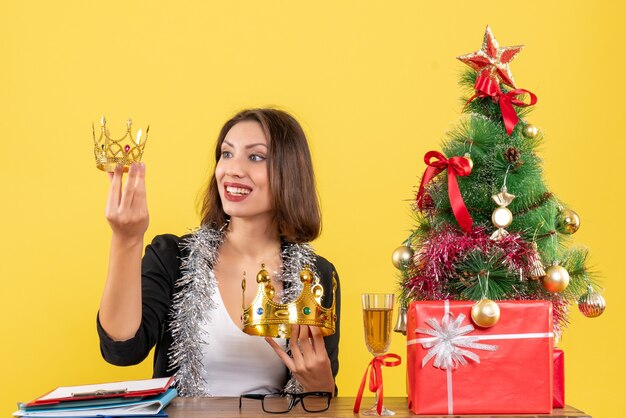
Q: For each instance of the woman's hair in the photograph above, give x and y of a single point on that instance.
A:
(290, 172)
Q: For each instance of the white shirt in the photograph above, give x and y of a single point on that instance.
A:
(235, 362)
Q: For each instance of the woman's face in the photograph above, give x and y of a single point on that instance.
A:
(242, 172)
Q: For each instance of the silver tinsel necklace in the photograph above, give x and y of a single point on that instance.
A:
(194, 302)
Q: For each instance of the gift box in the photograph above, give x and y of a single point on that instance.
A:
(558, 400)
(456, 367)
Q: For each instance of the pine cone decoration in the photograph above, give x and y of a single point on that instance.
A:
(512, 154)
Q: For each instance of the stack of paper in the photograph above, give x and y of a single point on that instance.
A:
(134, 398)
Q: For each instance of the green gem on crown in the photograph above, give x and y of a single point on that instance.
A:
(306, 310)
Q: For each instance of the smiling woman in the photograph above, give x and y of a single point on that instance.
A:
(185, 295)
(242, 173)
(277, 139)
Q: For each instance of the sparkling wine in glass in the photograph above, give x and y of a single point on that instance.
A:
(377, 323)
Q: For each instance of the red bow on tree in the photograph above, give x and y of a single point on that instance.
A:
(456, 166)
(488, 87)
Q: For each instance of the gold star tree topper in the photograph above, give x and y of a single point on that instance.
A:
(492, 61)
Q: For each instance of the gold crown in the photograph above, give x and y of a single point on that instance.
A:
(267, 318)
(111, 152)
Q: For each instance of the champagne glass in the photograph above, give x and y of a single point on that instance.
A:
(377, 317)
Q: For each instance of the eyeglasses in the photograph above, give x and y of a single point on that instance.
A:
(281, 403)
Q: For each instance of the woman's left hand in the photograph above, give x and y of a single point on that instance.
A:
(309, 362)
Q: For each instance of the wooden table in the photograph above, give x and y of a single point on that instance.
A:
(339, 407)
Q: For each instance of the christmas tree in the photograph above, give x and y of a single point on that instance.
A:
(487, 226)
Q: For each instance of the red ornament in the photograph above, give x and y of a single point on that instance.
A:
(126, 148)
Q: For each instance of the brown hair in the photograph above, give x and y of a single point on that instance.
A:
(290, 171)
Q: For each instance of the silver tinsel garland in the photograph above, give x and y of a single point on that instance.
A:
(193, 303)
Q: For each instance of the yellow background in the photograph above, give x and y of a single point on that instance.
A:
(375, 86)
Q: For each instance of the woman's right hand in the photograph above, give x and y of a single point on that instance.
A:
(127, 207)
(127, 213)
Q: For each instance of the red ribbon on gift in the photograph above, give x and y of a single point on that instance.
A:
(456, 166)
(533, 322)
(375, 368)
(488, 87)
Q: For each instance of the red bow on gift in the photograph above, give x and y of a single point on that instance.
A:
(376, 380)
(456, 166)
(488, 87)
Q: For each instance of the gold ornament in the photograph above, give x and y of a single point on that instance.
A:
(530, 131)
(567, 221)
(402, 256)
(536, 266)
(110, 152)
(401, 322)
(485, 313)
(468, 157)
(267, 318)
(556, 278)
(591, 304)
(501, 216)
